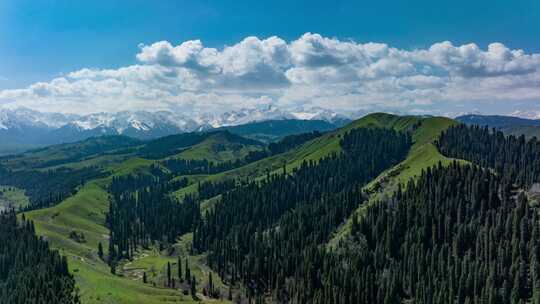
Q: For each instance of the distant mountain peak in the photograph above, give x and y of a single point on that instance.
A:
(29, 127)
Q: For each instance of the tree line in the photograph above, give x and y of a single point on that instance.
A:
(50, 187)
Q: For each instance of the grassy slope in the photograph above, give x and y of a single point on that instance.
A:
(70, 152)
(217, 148)
(155, 264)
(12, 196)
(99, 161)
(86, 210)
(85, 213)
(311, 150)
(423, 154)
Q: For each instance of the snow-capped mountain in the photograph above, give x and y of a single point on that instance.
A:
(243, 116)
(29, 128)
(140, 120)
(138, 124)
(318, 113)
(23, 117)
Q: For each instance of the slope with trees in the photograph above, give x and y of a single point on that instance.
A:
(30, 272)
(258, 232)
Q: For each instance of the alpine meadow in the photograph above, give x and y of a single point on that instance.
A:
(269, 153)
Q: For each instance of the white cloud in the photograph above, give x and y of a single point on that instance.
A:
(311, 71)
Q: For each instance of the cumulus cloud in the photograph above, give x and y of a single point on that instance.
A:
(312, 70)
(470, 61)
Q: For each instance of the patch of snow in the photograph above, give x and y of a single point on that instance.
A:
(527, 114)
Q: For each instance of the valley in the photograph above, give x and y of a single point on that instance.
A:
(207, 169)
(280, 152)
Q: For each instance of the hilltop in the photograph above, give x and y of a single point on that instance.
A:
(84, 212)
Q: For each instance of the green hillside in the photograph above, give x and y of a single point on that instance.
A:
(83, 214)
(329, 143)
(12, 197)
(77, 225)
(274, 130)
(220, 147)
(96, 147)
(423, 154)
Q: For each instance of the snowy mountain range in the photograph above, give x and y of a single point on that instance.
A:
(24, 128)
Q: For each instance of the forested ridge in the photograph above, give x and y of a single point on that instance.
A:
(291, 141)
(173, 144)
(30, 272)
(456, 235)
(47, 188)
(459, 234)
(260, 234)
(464, 232)
(320, 194)
(517, 158)
(180, 167)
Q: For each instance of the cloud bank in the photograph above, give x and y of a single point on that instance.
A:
(310, 71)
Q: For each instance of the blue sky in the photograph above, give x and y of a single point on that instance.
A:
(41, 40)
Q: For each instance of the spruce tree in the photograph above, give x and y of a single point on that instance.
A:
(169, 282)
(100, 251)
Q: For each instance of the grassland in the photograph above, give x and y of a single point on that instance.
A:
(12, 197)
(217, 148)
(71, 153)
(154, 263)
(329, 143)
(84, 212)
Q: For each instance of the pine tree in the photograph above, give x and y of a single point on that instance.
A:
(169, 282)
(113, 267)
(210, 284)
(100, 251)
(180, 278)
(193, 288)
(187, 276)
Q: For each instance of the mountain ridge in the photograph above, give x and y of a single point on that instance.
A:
(23, 128)
(85, 210)
(510, 125)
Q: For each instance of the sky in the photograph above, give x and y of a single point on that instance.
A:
(416, 56)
